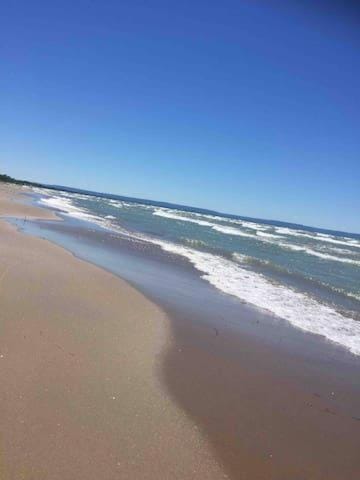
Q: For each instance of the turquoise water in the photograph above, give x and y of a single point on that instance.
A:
(309, 277)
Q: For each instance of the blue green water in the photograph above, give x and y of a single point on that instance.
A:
(309, 277)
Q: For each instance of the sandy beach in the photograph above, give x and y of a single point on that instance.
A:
(80, 394)
(98, 382)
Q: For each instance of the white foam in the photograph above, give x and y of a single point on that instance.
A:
(77, 196)
(239, 257)
(287, 231)
(261, 229)
(353, 295)
(233, 231)
(232, 278)
(327, 238)
(251, 225)
(297, 308)
(322, 237)
(121, 203)
(65, 205)
(269, 235)
(315, 253)
(260, 235)
(159, 212)
(341, 251)
(219, 228)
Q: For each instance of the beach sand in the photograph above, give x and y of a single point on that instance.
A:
(97, 382)
(79, 359)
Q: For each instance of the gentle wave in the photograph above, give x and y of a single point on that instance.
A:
(315, 253)
(233, 231)
(351, 294)
(166, 212)
(322, 237)
(262, 230)
(174, 216)
(297, 308)
(341, 251)
(121, 204)
(204, 223)
(194, 242)
(348, 243)
(66, 206)
(269, 235)
(247, 259)
(252, 226)
(261, 236)
(260, 262)
(219, 228)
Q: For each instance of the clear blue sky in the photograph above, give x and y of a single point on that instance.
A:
(244, 107)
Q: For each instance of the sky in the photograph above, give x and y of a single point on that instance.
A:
(246, 107)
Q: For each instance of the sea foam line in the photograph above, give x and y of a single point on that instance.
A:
(318, 237)
(231, 278)
(260, 236)
(66, 207)
(219, 228)
(315, 253)
(243, 223)
(259, 228)
(297, 308)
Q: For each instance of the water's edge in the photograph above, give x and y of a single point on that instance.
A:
(182, 297)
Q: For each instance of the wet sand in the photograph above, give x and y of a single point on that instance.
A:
(98, 382)
(269, 415)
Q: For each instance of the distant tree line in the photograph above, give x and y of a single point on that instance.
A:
(7, 179)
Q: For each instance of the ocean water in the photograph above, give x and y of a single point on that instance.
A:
(306, 276)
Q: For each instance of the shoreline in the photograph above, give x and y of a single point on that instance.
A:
(90, 242)
(263, 413)
(319, 293)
